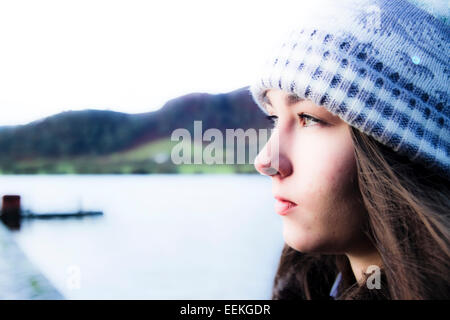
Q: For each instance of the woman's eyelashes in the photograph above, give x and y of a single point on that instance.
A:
(273, 120)
(305, 118)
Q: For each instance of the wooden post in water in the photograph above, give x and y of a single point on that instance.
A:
(11, 211)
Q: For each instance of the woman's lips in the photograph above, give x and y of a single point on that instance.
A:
(282, 206)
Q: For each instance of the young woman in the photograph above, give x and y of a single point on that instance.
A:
(360, 153)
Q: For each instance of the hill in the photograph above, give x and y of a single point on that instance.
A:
(97, 141)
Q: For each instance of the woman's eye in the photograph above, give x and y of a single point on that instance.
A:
(272, 119)
(309, 120)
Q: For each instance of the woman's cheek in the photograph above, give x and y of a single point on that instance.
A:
(324, 182)
(321, 165)
(308, 229)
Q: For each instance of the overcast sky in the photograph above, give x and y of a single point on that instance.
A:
(129, 56)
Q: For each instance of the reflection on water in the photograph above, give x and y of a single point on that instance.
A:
(161, 236)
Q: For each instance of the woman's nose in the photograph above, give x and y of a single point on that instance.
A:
(271, 160)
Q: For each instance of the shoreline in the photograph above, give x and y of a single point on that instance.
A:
(19, 278)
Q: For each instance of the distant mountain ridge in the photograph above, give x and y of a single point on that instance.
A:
(98, 133)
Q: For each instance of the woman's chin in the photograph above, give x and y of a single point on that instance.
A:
(302, 241)
(298, 240)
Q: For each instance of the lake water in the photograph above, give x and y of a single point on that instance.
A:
(161, 236)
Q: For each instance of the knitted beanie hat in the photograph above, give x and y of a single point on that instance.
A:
(382, 66)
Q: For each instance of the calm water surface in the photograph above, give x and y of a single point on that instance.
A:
(161, 236)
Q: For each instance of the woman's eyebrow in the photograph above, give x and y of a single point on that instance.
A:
(290, 99)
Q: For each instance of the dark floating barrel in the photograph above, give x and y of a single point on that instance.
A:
(11, 211)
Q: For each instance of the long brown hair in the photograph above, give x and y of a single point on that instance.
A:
(408, 221)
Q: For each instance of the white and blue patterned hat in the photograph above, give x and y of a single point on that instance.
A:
(382, 66)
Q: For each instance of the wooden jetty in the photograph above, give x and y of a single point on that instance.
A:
(12, 213)
(60, 215)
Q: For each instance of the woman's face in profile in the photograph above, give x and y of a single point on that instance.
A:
(317, 172)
